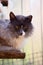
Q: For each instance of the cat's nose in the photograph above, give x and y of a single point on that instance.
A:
(20, 33)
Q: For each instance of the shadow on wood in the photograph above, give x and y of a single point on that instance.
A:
(9, 52)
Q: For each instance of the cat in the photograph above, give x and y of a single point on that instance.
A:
(15, 30)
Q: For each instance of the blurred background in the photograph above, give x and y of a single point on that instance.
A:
(34, 46)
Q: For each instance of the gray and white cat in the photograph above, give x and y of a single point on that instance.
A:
(15, 30)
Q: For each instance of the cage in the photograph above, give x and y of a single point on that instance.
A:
(34, 46)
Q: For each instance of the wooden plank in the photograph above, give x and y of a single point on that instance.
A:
(9, 52)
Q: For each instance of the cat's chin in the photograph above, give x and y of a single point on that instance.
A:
(21, 36)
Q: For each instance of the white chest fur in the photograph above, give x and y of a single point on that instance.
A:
(17, 42)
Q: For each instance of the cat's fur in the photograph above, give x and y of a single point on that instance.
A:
(13, 31)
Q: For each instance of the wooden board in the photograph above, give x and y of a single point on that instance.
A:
(9, 52)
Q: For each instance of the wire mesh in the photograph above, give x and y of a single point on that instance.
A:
(36, 61)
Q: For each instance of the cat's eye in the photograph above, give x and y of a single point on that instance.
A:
(25, 28)
(17, 27)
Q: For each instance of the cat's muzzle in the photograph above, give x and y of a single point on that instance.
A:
(21, 32)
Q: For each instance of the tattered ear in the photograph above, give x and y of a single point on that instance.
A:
(29, 18)
(12, 16)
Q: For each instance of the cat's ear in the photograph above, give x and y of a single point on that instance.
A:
(29, 18)
(12, 16)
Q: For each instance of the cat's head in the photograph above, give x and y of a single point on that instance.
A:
(22, 24)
